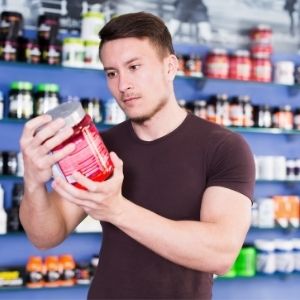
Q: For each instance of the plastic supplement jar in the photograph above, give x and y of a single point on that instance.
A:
(91, 55)
(90, 157)
(240, 65)
(217, 64)
(47, 97)
(20, 100)
(73, 52)
(92, 22)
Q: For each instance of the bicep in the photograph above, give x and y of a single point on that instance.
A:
(72, 214)
(228, 209)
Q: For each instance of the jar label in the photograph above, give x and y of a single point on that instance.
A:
(90, 156)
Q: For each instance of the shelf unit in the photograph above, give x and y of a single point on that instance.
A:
(91, 83)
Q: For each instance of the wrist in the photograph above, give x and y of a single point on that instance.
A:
(33, 187)
(121, 213)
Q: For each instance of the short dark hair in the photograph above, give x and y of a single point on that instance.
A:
(139, 25)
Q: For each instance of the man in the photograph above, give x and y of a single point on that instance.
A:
(177, 207)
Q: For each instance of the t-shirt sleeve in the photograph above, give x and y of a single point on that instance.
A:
(231, 165)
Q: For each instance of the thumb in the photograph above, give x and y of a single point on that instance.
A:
(117, 162)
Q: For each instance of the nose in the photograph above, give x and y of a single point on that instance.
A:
(124, 83)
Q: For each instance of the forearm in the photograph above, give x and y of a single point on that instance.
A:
(198, 245)
(41, 218)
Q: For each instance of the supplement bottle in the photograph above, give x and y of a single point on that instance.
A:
(1, 106)
(34, 272)
(90, 157)
(246, 262)
(73, 52)
(20, 100)
(13, 221)
(240, 65)
(52, 271)
(265, 256)
(217, 64)
(47, 97)
(3, 215)
(67, 265)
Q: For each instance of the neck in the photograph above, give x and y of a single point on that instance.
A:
(162, 123)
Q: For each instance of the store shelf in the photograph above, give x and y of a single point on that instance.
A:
(10, 177)
(14, 121)
(77, 292)
(25, 288)
(18, 64)
(256, 130)
(276, 131)
(287, 181)
(279, 276)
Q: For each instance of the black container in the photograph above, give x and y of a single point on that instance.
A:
(48, 26)
(11, 25)
(13, 220)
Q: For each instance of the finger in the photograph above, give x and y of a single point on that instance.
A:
(44, 161)
(30, 128)
(47, 131)
(62, 192)
(83, 203)
(56, 140)
(89, 184)
(118, 164)
(76, 195)
(56, 156)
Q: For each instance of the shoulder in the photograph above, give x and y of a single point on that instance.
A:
(213, 134)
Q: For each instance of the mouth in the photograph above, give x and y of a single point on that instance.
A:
(129, 99)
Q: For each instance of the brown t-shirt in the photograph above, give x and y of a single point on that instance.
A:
(167, 176)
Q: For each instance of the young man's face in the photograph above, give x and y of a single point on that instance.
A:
(137, 77)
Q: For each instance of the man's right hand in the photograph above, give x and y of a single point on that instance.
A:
(39, 137)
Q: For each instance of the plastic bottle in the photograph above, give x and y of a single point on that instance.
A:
(3, 214)
(52, 271)
(296, 254)
(1, 106)
(47, 97)
(245, 262)
(13, 221)
(265, 257)
(67, 265)
(34, 272)
(20, 100)
(284, 256)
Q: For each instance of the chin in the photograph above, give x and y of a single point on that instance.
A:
(139, 119)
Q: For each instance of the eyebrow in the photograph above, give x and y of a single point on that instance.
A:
(126, 63)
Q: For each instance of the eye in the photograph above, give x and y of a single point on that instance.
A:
(134, 67)
(111, 74)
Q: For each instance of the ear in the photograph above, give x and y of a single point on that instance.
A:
(172, 66)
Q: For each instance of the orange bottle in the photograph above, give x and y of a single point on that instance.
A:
(34, 272)
(52, 271)
(67, 265)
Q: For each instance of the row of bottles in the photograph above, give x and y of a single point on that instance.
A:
(57, 270)
(278, 167)
(241, 112)
(279, 256)
(277, 211)
(26, 100)
(47, 47)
